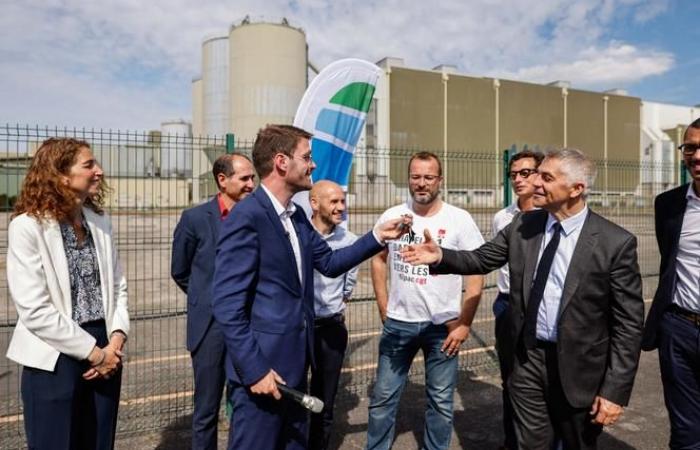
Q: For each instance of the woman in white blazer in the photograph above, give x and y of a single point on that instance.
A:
(65, 281)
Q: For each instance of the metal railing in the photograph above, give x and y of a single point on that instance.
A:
(153, 177)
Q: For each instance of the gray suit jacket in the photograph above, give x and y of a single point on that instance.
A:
(602, 310)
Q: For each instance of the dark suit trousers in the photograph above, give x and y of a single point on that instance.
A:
(500, 308)
(541, 408)
(679, 358)
(62, 411)
(259, 422)
(209, 378)
(330, 342)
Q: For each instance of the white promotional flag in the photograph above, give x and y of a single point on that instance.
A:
(334, 108)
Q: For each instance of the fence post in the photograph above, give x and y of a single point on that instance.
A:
(230, 143)
(684, 174)
(506, 178)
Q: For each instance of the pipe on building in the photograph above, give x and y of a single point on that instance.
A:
(445, 78)
(605, 149)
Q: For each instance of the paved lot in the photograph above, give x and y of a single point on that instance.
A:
(477, 418)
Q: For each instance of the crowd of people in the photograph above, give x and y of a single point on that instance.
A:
(267, 289)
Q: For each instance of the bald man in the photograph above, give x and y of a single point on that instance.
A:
(327, 201)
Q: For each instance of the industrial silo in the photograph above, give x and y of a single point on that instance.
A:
(176, 149)
(267, 75)
(197, 105)
(215, 85)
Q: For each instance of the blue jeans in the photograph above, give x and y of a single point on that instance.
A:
(398, 346)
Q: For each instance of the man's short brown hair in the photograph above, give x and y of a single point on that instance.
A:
(425, 156)
(275, 139)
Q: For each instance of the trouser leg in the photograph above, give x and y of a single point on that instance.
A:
(331, 340)
(397, 347)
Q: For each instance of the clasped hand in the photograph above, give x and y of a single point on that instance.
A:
(109, 360)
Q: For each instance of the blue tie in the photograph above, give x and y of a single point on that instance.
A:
(533, 303)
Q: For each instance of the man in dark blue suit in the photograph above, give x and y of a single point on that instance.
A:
(263, 291)
(673, 324)
(192, 268)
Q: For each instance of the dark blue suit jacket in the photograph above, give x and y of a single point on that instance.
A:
(669, 209)
(192, 265)
(265, 313)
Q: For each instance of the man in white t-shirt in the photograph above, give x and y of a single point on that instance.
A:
(522, 170)
(422, 311)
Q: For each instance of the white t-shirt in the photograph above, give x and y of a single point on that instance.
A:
(415, 295)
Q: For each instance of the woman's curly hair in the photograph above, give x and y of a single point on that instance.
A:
(44, 194)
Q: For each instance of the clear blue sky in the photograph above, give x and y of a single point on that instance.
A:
(128, 64)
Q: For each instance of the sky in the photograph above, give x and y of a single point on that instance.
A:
(128, 64)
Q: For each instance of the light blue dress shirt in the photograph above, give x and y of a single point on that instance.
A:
(330, 292)
(548, 313)
(687, 291)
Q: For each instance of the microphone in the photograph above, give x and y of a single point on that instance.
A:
(309, 402)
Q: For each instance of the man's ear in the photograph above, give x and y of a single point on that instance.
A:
(281, 162)
(220, 178)
(577, 190)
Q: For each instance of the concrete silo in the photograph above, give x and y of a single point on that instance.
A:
(176, 149)
(267, 75)
(215, 85)
(197, 105)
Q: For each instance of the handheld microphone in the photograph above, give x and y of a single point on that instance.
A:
(309, 402)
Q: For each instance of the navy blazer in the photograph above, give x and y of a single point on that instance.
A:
(669, 209)
(265, 312)
(192, 265)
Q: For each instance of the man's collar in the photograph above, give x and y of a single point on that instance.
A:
(279, 209)
(332, 232)
(570, 224)
(691, 195)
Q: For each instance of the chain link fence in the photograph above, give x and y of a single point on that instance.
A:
(153, 177)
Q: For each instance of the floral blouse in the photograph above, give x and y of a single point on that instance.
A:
(85, 290)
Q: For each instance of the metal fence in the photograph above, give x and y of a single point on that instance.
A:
(153, 177)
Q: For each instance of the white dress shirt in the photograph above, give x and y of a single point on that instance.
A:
(285, 215)
(687, 292)
(548, 313)
(501, 220)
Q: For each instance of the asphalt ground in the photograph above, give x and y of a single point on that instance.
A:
(477, 425)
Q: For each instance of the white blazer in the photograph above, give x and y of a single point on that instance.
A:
(39, 282)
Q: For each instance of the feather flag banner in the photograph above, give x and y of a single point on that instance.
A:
(334, 108)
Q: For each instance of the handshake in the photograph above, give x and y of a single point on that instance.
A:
(428, 252)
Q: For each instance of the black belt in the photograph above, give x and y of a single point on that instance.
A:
(684, 313)
(330, 320)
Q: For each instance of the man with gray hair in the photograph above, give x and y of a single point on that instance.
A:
(575, 316)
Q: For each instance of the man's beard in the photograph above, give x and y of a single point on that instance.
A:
(424, 200)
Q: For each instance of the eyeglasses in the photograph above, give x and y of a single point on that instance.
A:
(524, 173)
(428, 178)
(307, 159)
(689, 149)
